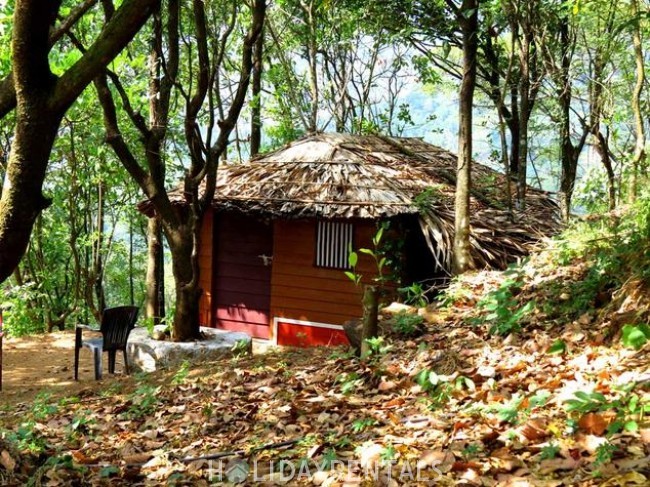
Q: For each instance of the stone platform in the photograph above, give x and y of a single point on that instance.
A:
(146, 354)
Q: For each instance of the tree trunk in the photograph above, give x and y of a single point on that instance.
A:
(569, 154)
(155, 305)
(602, 147)
(505, 162)
(468, 19)
(41, 100)
(98, 265)
(524, 106)
(256, 87)
(513, 127)
(370, 318)
(184, 245)
(639, 147)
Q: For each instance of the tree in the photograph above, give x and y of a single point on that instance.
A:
(638, 160)
(557, 44)
(467, 16)
(199, 87)
(41, 100)
(599, 40)
(328, 68)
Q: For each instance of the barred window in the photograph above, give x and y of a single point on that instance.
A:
(333, 243)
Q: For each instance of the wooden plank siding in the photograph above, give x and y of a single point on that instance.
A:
(302, 291)
(240, 293)
(206, 247)
(241, 283)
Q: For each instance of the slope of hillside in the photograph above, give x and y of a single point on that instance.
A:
(537, 376)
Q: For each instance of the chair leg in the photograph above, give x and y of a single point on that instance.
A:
(76, 363)
(98, 363)
(111, 361)
(126, 362)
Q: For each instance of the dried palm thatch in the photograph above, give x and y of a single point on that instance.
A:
(375, 177)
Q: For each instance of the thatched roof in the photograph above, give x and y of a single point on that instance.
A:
(353, 176)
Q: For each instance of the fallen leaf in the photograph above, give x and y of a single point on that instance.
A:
(370, 454)
(442, 460)
(593, 423)
(137, 458)
(7, 461)
(386, 385)
(557, 464)
(534, 430)
(630, 478)
(81, 458)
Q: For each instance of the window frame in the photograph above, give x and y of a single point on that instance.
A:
(317, 246)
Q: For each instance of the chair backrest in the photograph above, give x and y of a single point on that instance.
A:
(116, 326)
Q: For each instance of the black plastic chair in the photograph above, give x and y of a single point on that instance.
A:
(115, 328)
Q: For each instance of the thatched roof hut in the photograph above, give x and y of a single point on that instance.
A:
(275, 244)
(330, 175)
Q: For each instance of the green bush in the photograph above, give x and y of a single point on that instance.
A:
(504, 314)
(406, 324)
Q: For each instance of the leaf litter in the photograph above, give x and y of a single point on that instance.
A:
(559, 402)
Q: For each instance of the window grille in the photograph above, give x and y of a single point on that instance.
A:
(333, 243)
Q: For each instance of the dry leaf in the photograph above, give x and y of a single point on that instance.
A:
(386, 385)
(630, 478)
(593, 423)
(558, 464)
(7, 462)
(534, 430)
(442, 460)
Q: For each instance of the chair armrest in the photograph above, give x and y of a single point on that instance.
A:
(79, 330)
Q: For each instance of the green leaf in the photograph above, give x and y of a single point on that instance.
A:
(635, 336)
(377, 238)
(573, 404)
(584, 396)
(615, 427)
(558, 346)
(352, 276)
(632, 426)
(353, 258)
(108, 471)
(366, 251)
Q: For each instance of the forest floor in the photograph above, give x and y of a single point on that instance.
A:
(493, 392)
(38, 363)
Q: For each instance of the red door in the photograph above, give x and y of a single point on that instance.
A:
(242, 281)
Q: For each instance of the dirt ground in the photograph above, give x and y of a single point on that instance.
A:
(45, 363)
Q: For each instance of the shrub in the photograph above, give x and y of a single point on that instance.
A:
(407, 325)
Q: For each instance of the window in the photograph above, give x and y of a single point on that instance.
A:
(333, 242)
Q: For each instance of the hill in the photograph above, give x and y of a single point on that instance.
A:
(536, 376)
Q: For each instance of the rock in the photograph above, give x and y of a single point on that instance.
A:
(159, 335)
(397, 308)
(147, 354)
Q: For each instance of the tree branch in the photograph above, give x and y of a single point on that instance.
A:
(125, 23)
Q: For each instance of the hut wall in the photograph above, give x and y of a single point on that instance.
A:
(303, 293)
(206, 268)
(241, 278)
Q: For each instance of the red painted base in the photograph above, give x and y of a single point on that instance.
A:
(294, 335)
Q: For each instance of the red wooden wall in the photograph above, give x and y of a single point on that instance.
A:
(301, 291)
(241, 293)
(241, 280)
(206, 269)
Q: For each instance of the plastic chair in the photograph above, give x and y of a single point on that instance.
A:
(115, 327)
